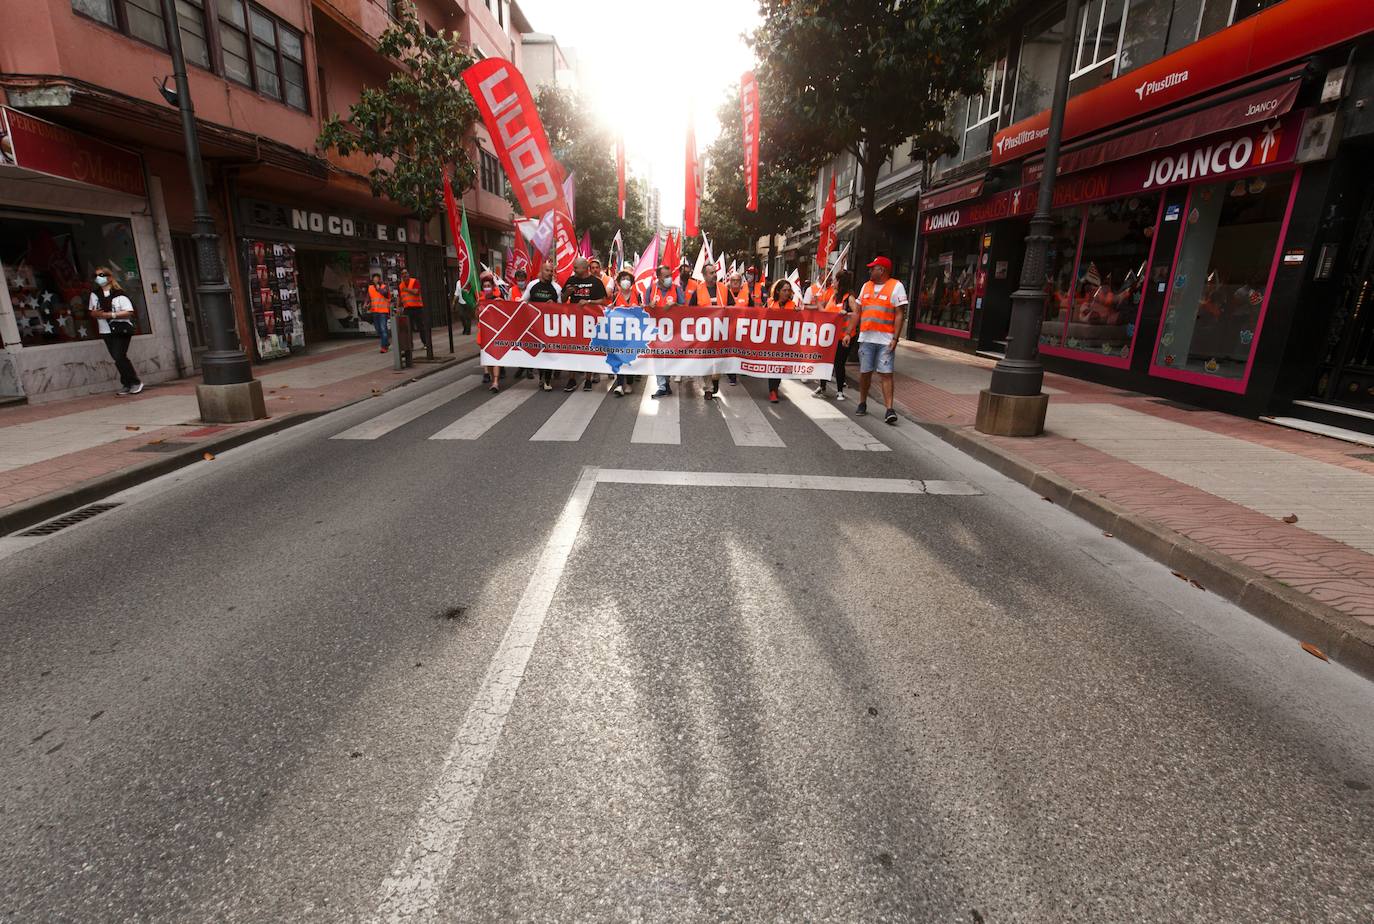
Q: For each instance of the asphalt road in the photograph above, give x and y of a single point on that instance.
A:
(496, 678)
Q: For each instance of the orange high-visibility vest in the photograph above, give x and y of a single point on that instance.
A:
(410, 294)
(516, 293)
(700, 295)
(380, 299)
(625, 299)
(876, 311)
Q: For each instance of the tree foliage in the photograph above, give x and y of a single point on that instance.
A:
(785, 181)
(586, 148)
(416, 123)
(867, 75)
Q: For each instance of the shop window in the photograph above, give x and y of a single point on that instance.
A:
(949, 280)
(1113, 268)
(1222, 276)
(1065, 231)
(48, 262)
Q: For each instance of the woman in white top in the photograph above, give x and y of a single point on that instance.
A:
(115, 317)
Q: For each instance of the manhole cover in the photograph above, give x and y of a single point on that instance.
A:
(161, 447)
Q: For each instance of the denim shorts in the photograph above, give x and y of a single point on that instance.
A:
(875, 357)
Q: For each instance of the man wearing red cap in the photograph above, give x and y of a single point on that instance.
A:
(882, 311)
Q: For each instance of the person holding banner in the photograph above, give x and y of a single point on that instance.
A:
(665, 293)
(882, 309)
(544, 289)
(626, 296)
(783, 300)
(491, 374)
(704, 294)
(581, 287)
(840, 299)
(755, 284)
(737, 295)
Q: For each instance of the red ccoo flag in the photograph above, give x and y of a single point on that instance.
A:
(691, 211)
(828, 235)
(508, 112)
(749, 109)
(620, 176)
(671, 253)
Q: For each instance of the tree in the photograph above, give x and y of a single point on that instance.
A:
(785, 183)
(415, 124)
(867, 75)
(586, 148)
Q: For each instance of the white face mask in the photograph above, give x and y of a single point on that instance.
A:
(102, 280)
(665, 283)
(625, 284)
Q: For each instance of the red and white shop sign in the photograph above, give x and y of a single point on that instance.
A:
(1283, 33)
(47, 148)
(1218, 157)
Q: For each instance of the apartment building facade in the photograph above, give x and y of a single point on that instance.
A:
(1212, 232)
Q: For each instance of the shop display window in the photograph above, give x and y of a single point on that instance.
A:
(1221, 280)
(1065, 231)
(948, 295)
(48, 262)
(1109, 282)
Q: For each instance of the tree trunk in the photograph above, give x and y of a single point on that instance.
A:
(868, 242)
(767, 272)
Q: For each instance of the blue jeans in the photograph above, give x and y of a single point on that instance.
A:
(875, 357)
(383, 325)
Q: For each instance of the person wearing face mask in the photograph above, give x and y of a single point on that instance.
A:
(379, 309)
(665, 293)
(783, 300)
(755, 285)
(684, 279)
(492, 374)
(737, 295)
(709, 292)
(626, 296)
(114, 314)
(544, 289)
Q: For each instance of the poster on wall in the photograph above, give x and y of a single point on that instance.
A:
(274, 295)
(362, 266)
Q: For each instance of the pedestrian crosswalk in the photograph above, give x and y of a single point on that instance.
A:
(750, 422)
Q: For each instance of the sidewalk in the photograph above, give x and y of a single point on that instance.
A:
(1210, 494)
(59, 452)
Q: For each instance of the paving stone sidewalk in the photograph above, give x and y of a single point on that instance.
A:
(50, 449)
(1223, 481)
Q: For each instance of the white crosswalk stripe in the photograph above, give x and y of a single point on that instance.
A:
(487, 415)
(569, 422)
(657, 421)
(746, 421)
(384, 423)
(846, 433)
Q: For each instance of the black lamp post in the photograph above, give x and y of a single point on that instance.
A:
(229, 393)
(1013, 404)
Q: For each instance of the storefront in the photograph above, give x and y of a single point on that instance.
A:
(70, 203)
(1162, 265)
(307, 270)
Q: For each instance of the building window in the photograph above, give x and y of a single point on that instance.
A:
(48, 262)
(1097, 41)
(1221, 281)
(195, 44)
(984, 111)
(1066, 231)
(233, 42)
(492, 178)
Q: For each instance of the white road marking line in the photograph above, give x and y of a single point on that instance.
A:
(411, 892)
(833, 422)
(569, 422)
(657, 421)
(748, 426)
(804, 482)
(390, 420)
(487, 415)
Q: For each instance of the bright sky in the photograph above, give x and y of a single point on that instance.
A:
(650, 59)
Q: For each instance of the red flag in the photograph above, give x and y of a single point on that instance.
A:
(828, 235)
(690, 215)
(620, 177)
(460, 247)
(749, 108)
(536, 260)
(508, 112)
(671, 255)
(564, 246)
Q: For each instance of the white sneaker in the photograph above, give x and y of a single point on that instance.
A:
(839, 395)
(619, 390)
(136, 389)
(122, 392)
(819, 390)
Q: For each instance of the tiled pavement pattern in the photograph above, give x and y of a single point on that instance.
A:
(51, 447)
(1220, 480)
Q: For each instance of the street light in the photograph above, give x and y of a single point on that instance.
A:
(1013, 404)
(228, 393)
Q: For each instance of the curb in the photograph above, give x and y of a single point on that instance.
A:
(1343, 639)
(26, 514)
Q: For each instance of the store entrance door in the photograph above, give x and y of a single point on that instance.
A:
(329, 293)
(188, 279)
(1346, 375)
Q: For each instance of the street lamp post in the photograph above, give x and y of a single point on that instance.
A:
(228, 393)
(1013, 404)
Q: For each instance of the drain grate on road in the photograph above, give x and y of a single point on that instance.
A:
(70, 519)
(161, 447)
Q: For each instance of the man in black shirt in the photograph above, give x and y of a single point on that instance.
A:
(583, 286)
(544, 289)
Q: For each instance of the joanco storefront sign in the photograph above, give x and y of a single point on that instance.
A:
(1280, 34)
(1237, 153)
(310, 224)
(43, 147)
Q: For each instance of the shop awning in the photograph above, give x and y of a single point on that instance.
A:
(1259, 105)
(939, 198)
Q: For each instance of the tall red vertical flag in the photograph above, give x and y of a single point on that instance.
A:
(508, 112)
(620, 176)
(564, 246)
(672, 253)
(691, 210)
(828, 235)
(749, 109)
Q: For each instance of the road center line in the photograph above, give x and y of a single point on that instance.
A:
(411, 892)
